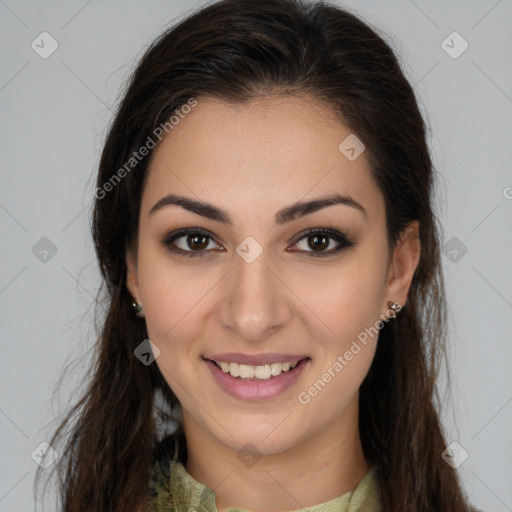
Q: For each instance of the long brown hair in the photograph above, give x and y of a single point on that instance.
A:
(236, 50)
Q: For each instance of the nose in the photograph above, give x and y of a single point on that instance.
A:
(256, 301)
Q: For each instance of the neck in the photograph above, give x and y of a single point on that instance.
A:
(314, 471)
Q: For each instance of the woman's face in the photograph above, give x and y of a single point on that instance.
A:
(252, 289)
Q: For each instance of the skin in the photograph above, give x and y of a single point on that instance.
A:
(252, 160)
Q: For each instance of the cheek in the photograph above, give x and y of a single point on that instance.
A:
(333, 391)
(173, 298)
(347, 302)
(343, 301)
(343, 361)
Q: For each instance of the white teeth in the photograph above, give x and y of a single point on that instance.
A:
(262, 372)
(275, 369)
(234, 369)
(246, 371)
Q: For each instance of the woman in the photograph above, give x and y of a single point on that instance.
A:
(264, 227)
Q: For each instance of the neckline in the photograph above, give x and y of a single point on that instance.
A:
(201, 497)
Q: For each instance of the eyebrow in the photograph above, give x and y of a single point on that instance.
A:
(287, 214)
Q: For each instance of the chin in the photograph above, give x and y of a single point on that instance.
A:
(258, 438)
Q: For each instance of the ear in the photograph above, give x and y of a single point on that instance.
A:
(402, 266)
(132, 280)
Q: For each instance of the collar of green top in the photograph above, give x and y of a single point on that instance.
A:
(173, 489)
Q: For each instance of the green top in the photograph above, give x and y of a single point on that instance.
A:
(172, 489)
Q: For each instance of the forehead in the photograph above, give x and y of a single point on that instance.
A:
(252, 155)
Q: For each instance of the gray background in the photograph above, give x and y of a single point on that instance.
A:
(54, 114)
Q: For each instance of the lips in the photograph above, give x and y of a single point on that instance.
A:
(256, 377)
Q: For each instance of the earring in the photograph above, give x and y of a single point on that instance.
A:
(395, 307)
(137, 307)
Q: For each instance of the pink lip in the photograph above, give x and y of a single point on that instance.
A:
(256, 359)
(256, 389)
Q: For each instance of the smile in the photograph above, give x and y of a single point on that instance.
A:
(246, 371)
(264, 380)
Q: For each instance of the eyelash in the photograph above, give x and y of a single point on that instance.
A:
(343, 241)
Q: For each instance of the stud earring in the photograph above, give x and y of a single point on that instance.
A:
(395, 307)
(137, 307)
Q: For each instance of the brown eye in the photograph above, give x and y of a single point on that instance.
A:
(197, 242)
(190, 242)
(316, 241)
